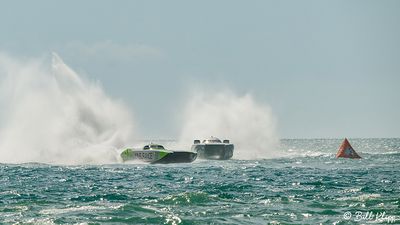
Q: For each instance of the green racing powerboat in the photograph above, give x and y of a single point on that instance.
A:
(155, 153)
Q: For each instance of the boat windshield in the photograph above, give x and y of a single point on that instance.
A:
(212, 140)
(152, 146)
(157, 147)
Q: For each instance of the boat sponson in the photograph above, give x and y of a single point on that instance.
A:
(216, 151)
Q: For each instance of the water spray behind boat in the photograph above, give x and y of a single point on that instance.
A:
(52, 115)
(247, 123)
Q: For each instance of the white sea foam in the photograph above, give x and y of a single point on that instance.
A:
(362, 198)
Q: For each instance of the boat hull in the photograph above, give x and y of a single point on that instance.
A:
(214, 151)
(177, 157)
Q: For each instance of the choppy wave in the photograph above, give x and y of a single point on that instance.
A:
(288, 190)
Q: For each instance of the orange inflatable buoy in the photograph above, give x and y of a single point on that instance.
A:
(346, 151)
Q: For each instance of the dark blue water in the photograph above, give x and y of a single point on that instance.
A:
(308, 186)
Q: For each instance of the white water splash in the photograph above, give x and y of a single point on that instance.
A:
(248, 124)
(51, 115)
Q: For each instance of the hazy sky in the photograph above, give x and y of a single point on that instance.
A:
(326, 68)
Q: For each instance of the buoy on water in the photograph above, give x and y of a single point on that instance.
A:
(346, 151)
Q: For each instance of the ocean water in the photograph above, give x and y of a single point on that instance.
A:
(306, 186)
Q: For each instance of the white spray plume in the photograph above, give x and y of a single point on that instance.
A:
(51, 115)
(248, 124)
